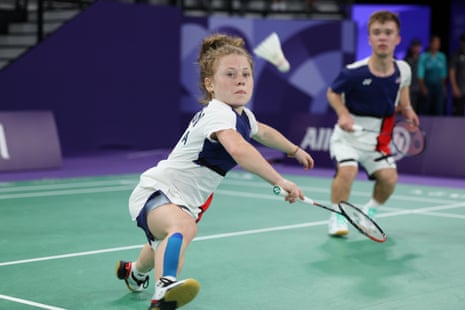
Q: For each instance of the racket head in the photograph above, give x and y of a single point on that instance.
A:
(362, 222)
(408, 139)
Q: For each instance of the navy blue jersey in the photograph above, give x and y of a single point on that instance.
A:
(368, 95)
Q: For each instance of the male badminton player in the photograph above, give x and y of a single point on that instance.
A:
(369, 93)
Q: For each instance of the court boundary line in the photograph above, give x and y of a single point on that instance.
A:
(241, 179)
(424, 211)
(200, 238)
(256, 184)
(29, 302)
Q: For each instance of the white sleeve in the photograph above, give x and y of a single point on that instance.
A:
(252, 121)
(405, 73)
(218, 117)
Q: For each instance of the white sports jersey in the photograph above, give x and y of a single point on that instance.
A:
(197, 164)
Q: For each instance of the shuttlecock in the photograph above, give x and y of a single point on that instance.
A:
(270, 49)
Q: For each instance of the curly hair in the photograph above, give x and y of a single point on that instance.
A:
(212, 49)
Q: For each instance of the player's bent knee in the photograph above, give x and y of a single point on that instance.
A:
(347, 175)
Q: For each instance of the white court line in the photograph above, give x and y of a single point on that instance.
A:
(424, 211)
(67, 192)
(30, 303)
(61, 185)
(427, 211)
(39, 259)
(255, 184)
(209, 237)
(235, 178)
(123, 185)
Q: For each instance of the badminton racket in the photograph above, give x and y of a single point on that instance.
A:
(407, 138)
(356, 217)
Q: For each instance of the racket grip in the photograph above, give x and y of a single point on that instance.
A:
(356, 127)
(278, 190)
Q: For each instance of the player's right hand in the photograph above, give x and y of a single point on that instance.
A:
(293, 191)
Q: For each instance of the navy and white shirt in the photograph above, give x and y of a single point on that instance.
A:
(372, 100)
(198, 163)
(369, 95)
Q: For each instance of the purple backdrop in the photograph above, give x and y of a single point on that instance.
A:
(111, 77)
(457, 24)
(124, 76)
(415, 22)
(314, 62)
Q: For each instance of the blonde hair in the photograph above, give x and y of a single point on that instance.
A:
(213, 48)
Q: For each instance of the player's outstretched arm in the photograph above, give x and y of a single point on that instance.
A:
(249, 158)
(271, 137)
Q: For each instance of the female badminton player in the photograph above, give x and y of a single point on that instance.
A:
(171, 197)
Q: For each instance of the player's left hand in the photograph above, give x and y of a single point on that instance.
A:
(304, 159)
(411, 116)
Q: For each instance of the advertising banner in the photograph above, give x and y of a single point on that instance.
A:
(443, 154)
(28, 140)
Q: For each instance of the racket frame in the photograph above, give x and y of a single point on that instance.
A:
(277, 190)
(418, 129)
(358, 128)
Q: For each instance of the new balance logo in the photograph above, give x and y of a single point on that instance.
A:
(366, 82)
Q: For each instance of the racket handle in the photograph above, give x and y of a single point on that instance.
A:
(278, 190)
(356, 127)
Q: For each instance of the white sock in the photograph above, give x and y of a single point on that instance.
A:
(335, 207)
(139, 275)
(372, 204)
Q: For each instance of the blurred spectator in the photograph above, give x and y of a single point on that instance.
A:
(457, 78)
(432, 75)
(412, 56)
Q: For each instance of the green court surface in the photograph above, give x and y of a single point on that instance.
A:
(60, 240)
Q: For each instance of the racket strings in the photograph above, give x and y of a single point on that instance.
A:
(362, 222)
(408, 139)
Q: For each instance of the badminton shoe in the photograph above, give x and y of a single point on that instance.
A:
(337, 225)
(133, 282)
(170, 295)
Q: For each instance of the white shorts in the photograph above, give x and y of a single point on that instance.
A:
(347, 152)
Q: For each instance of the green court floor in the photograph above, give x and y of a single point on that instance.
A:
(60, 240)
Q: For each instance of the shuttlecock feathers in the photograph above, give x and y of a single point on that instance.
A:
(270, 50)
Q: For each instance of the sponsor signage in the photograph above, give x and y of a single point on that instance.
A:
(28, 140)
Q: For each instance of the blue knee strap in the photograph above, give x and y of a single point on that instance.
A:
(171, 258)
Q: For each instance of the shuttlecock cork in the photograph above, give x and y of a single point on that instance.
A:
(270, 50)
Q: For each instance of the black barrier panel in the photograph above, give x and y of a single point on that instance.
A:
(28, 140)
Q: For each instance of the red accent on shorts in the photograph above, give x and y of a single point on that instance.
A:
(385, 136)
(205, 206)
